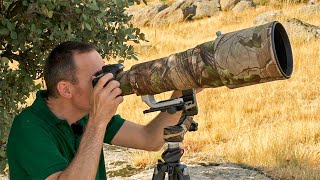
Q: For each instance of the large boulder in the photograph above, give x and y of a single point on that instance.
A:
(180, 11)
(309, 9)
(227, 5)
(312, 2)
(206, 8)
(301, 29)
(144, 16)
(268, 17)
(243, 5)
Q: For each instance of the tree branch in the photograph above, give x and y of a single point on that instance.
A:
(14, 9)
(1, 8)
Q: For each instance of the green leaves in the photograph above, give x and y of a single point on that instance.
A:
(4, 32)
(13, 35)
(88, 26)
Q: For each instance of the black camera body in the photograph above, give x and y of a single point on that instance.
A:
(110, 68)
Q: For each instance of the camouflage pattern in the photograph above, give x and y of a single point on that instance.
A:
(176, 133)
(235, 59)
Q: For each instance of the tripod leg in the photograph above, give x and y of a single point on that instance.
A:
(185, 172)
(158, 173)
(182, 172)
(171, 173)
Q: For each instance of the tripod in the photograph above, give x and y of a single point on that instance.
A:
(174, 135)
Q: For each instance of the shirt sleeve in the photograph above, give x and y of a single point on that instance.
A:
(113, 128)
(33, 149)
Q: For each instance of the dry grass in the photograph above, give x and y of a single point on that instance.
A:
(275, 126)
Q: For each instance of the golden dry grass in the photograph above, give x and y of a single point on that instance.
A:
(275, 126)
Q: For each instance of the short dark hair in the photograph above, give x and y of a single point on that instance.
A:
(60, 64)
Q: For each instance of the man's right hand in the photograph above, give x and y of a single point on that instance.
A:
(105, 100)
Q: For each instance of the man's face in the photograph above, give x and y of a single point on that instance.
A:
(87, 65)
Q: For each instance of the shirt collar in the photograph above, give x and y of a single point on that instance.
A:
(41, 108)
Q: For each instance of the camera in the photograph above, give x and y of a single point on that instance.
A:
(110, 68)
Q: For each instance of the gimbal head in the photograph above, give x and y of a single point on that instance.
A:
(186, 102)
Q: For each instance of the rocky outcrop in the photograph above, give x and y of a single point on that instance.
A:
(301, 29)
(294, 27)
(227, 5)
(309, 9)
(208, 171)
(184, 10)
(312, 2)
(178, 12)
(143, 16)
(268, 17)
(119, 167)
(3, 177)
(206, 9)
(243, 5)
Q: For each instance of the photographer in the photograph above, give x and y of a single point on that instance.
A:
(60, 135)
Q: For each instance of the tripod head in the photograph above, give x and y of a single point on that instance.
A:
(187, 103)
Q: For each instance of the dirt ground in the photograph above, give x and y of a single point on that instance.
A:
(118, 168)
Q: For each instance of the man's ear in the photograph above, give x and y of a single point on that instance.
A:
(63, 87)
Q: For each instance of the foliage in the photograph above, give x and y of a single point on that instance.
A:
(29, 29)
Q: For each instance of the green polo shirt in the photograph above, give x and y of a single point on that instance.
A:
(41, 144)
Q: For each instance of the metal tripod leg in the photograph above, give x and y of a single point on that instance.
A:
(158, 175)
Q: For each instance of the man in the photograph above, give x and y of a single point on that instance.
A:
(46, 140)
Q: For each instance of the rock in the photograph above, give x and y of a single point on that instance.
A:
(180, 11)
(228, 4)
(118, 167)
(206, 8)
(3, 177)
(144, 16)
(211, 171)
(267, 17)
(311, 2)
(298, 28)
(309, 9)
(243, 5)
(132, 11)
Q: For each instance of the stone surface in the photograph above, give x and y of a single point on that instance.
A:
(208, 171)
(118, 165)
(309, 9)
(268, 17)
(228, 4)
(206, 8)
(3, 177)
(119, 168)
(312, 2)
(180, 11)
(243, 5)
(301, 29)
(143, 16)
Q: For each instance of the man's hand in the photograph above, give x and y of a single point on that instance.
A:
(105, 100)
